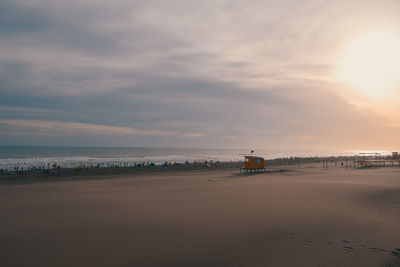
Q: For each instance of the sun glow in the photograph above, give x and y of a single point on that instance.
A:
(371, 64)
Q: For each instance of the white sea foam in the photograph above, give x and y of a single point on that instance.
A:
(70, 162)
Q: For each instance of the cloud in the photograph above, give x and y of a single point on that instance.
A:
(25, 127)
(23, 109)
(195, 135)
(184, 73)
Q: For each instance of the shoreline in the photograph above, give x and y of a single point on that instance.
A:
(93, 173)
(44, 158)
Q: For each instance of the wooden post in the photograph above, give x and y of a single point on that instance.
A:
(325, 165)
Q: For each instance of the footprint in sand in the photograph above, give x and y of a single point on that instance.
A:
(348, 248)
(378, 249)
(308, 241)
(396, 253)
(292, 235)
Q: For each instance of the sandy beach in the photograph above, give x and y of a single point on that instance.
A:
(288, 216)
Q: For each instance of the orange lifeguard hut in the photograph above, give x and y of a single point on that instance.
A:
(253, 164)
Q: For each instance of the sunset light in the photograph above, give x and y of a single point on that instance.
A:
(370, 64)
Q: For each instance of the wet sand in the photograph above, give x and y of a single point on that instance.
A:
(288, 216)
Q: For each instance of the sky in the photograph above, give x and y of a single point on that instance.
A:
(212, 73)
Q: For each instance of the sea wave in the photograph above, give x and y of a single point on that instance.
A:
(70, 162)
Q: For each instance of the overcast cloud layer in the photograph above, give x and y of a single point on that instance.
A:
(185, 73)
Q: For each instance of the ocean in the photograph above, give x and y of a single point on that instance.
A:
(69, 157)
